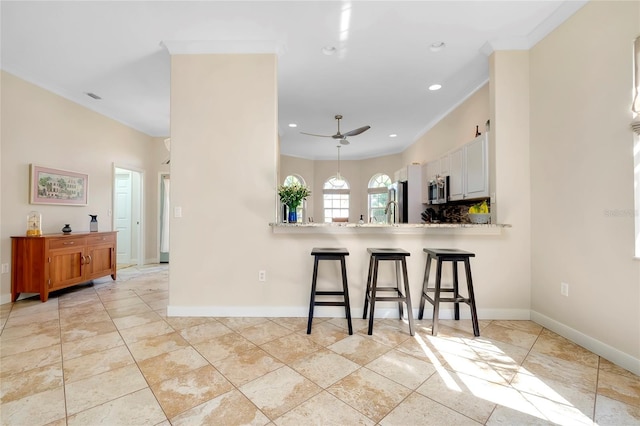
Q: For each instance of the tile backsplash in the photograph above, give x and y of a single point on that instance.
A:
(450, 213)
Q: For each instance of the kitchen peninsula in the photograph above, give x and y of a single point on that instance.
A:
(396, 228)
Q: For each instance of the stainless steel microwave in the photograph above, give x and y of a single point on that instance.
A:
(439, 190)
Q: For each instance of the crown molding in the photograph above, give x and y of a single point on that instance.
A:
(562, 13)
(203, 47)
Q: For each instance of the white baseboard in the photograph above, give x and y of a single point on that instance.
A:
(332, 312)
(5, 298)
(610, 353)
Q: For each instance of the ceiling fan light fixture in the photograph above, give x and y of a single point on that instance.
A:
(435, 87)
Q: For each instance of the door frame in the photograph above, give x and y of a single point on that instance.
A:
(159, 227)
(139, 201)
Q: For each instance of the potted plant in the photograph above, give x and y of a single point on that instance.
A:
(291, 196)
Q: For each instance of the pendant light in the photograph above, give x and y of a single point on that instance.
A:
(339, 181)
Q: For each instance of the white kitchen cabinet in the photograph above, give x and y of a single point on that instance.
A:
(468, 170)
(445, 166)
(400, 175)
(429, 172)
(456, 174)
(476, 176)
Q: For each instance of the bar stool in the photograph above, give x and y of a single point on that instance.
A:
(454, 256)
(398, 256)
(329, 254)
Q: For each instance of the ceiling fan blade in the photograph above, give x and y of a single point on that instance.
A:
(313, 134)
(357, 131)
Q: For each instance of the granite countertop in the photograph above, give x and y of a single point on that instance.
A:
(396, 228)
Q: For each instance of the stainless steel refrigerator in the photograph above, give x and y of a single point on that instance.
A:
(397, 204)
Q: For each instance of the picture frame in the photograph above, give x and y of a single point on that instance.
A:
(57, 187)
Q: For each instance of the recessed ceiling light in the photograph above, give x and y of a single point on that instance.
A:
(437, 46)
(293, 125)
(435, 87)
(93, 95)
(329, 50)
(392, 135)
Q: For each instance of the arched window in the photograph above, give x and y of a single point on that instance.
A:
(302, 208)
(336, 199)
(378, 196)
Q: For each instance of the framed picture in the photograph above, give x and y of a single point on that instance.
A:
(59, 187)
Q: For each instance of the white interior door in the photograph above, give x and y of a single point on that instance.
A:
(122, 214)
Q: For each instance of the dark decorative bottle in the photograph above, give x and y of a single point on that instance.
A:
(66, 229)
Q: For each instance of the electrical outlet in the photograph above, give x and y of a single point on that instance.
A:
(262, 276)
(5, 268)
(564, 289)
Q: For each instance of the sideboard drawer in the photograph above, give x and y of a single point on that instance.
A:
(66, 242)
(98, 239)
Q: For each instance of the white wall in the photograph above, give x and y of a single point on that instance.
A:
(223, 176)
(356, 172)
(45, 129)
(581, 171)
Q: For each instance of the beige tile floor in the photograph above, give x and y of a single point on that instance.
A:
(107, 354)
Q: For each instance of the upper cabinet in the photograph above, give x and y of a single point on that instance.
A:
(429, 171)
(456, 174)
(467, 168)
(476, 168)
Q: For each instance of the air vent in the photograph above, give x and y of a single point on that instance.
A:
(93, 95)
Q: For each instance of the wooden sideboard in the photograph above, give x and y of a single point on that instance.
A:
(52, 262)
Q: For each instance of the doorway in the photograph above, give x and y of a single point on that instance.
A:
(164, 217)
(127, 213)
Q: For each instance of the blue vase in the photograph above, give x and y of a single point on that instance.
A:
(293, 216)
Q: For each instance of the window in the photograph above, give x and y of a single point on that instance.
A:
(378, 196)
(291, 180)
(336, 199)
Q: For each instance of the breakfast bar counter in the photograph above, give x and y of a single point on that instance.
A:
(399, 228)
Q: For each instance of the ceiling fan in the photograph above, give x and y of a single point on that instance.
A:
(342, 136)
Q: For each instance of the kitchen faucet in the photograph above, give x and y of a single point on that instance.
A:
(387, 211)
